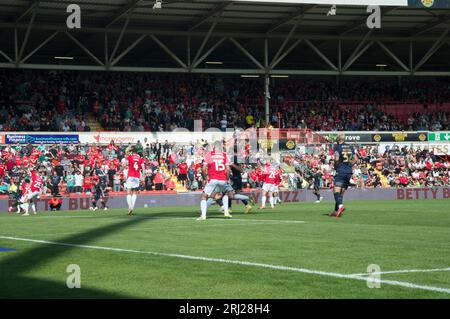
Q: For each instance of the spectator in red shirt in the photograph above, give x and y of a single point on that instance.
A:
(182, 173)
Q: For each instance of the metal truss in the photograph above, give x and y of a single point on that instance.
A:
(208, 41)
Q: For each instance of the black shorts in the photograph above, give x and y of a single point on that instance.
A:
(237, 185)
(182, 177)
(316, 187)
(342, 180)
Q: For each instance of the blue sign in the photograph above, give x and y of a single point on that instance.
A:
(7, 249)
(41, 138)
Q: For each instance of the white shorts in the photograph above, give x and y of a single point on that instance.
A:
(275, 189)
(25, 198)
(34, 195)
(132, 183)
(268, 187)
(217, 186)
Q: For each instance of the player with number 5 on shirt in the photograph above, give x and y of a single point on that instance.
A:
(216, 170)
(136, 167)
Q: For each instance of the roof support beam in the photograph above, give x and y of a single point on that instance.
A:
(207, 53)
(84, 48)
(357, 53)
(319, 53)
(433, 49)
(285, 53)
(286, 40)
(125, 52)
(122, 32)
(248, 54)
(297, 15)
(393, 56)
(217, 11)
(6, 56)
(217, 71)
(33, 5)
(168, 51)
(431, 25)
(126, 10)
(39, 46)
(208, 35)
(27, 34)
(250, 35)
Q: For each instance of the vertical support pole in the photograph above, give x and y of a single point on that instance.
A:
(188, 48)
(411, 62)
(267, 96)
(266, 81)
(16, 47)
(340, 55)
(106, 50)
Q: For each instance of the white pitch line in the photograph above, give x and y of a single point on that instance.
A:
(242, 263)
(280, 221)
(401, 271)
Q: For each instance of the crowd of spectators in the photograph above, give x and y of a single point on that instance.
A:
(73, 168)
(64, 101)
(393, 167)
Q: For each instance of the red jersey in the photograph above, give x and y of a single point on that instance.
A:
(182, 167)
(270, 174)
(36, 183)
(134, 165)
(278, 177)
(88, 182)
(217, 165)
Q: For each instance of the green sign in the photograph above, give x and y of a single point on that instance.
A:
(439, 137)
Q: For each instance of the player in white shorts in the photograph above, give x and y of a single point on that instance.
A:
(136, 167)
(216, 167)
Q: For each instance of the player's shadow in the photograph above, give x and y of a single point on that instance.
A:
(15, 282)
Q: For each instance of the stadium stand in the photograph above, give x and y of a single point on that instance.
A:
(85, 101)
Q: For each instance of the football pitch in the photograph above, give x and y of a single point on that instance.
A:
(293, 251)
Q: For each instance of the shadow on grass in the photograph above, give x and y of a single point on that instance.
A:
(15, 284)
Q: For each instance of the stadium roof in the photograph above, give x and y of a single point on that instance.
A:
(232, 36)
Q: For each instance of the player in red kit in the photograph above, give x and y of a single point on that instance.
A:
(269, 177)
(136, 168)
(276, 191)
(25, 193)
(35, 189)
(216, 170)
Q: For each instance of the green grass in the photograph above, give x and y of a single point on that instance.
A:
(395, 235)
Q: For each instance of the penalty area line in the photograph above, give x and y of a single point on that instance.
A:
(241, 263)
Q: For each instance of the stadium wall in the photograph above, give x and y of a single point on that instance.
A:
(81, 202)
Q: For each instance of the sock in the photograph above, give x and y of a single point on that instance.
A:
(103, 204)
(203, 207)
(229, 203)
(337, 199)
(277, 199)
(94, 203)
(271, 201)
(225, 204)
(133, 200)
(25, 208)
(33, 207)
(244, 201)
(263, 201)
(318, 196)
(129, 201)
